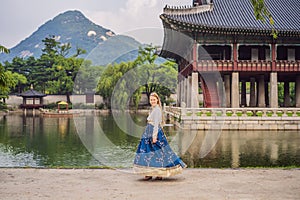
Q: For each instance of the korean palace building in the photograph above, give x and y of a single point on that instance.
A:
(222, 50)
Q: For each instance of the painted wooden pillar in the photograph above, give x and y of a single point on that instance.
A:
(235, 90)
(273, 54)
(227, 90)
(261, 91)
(267, 93)
(252, 93)
(189, 91)
(178, 91)
(297, 92)
(195, 88)
(182, 90)
(243, 94)
(273, 90)
(185, 91)
(221, 92)
(287, 97)
(235, 55)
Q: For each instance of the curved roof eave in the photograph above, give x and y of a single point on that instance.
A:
(205, 28)
(238, 16)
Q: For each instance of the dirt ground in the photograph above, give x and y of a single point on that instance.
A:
(122, 184)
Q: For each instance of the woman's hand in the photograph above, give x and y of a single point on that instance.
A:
(154, 140)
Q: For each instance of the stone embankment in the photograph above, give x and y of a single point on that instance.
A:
(235, 119)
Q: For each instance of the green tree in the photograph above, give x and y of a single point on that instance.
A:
(109, 79)
(57, 71)
(87, 78)
(23, 67)
(2, 70)
(3, 78)
(12, 80)
(64, 73)
(159, 78)
(3, 49)
(127, 81)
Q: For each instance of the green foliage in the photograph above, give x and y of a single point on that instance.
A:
(3, 106)
(87, 77)
(126, 81)
(3, 77)
(51, 106)
(279, 113)
(3, 49)
(249, 113)
(109, 79)
(259, 113)
(8, 81)
(262, 13)
(52, 73)
(281, 93)
(157, 78)
(229, 113)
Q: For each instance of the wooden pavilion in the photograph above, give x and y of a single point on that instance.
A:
(220, 47)
(32, 99)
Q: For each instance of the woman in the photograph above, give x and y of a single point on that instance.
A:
(154, 156)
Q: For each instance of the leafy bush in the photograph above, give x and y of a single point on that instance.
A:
(199, 113)
(229, 113)
(289, 113)
(239, 113)
(259, 113)
(279, 113)
(3, 106)
(208, 113)
(249, 113)
(269, 113)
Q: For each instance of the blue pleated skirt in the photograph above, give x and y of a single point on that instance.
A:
(156, 159)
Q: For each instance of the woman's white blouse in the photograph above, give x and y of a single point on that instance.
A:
(155, 117)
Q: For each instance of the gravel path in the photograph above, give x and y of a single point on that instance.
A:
(122, 184)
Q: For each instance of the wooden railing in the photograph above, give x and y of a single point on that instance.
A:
(248, 65)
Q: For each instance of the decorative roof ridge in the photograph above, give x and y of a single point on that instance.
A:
(181, 10)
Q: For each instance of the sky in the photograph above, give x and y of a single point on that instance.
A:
(137, 18)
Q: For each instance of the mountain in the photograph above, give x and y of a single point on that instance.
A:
(102, 45)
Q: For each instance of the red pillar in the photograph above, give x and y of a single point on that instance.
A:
(273, 49)
(235, 53)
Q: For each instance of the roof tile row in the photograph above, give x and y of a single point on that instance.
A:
(239, 14)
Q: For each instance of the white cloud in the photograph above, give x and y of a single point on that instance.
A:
(136, 19)
(136, 13)
(136, 7)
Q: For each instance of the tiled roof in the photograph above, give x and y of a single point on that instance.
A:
(238, 15)
(32, 93)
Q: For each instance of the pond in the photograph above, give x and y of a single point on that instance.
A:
(107, 140)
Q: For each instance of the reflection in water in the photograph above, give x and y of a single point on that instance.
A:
(247, 149)
(43, 142)
(36, 141)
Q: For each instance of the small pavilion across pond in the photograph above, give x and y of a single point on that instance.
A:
(220, 47)
(32, 99)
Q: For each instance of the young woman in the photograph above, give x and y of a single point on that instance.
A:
(154, 156)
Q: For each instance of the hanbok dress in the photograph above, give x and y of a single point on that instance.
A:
(156, 159)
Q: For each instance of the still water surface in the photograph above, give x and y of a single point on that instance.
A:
(34, 141)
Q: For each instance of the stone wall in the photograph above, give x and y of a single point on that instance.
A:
(15, 100)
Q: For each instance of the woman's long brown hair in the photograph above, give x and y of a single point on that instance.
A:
(154, 94)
